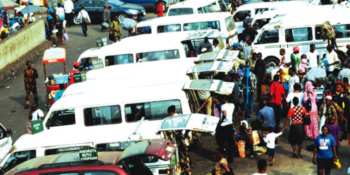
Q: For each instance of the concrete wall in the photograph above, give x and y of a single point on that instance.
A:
(22, 42)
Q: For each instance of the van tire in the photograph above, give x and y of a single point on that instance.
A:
(272, 60)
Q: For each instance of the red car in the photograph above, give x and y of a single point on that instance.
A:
(127, 162)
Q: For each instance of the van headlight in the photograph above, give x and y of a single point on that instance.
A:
(133, 11)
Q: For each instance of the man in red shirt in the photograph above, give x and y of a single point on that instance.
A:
(160, 9)
(277, 91)
(74, 71)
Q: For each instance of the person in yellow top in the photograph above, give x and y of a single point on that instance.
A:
(115, 29)
(4, 32)
(222, 166)
(284, 73)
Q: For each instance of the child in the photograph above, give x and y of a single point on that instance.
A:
(270, 143)
(303, 65)
(335, 131)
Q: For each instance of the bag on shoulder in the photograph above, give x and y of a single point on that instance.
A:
(85, 20)
(306, 120)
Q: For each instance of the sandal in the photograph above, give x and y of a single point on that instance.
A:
(299, 157)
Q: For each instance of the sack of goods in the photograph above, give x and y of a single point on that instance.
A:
(128, 24)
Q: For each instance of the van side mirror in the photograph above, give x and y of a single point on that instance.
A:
(9, 132)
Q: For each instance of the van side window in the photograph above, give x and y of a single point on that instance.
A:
(230, 24)
(102, 115)
(180, 11)
(343, 31)
(261, 22)
(300, 34)
(159, 55)
(261, 10)
(200, 10)
(169, 28)
(207, 9)
(144, 30)
(86, 63)
(119, 59)
(157, 110)
(241, 15)
(17, 158)
(268, 36)
(61, 118)
(201, 25)
(3, 133)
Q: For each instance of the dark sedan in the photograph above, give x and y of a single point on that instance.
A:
(118, 8)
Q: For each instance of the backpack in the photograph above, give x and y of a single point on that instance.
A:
(330, 30)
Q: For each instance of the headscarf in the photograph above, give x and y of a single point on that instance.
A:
(309, 91)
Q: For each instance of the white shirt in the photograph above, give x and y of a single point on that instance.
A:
(216, 48)
(60, 13)
(229, 108)
(270, 139)
(312, 58)
(291, 95)
(84, 14)
(332, 57)
(37, 115)
(292, 80)
(68, 6)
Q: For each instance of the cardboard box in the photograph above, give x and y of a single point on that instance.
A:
(35, 126)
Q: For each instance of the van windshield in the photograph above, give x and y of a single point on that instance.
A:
(268, 36)
(201, 25)
(180, 11)
(230, 24)
(258, 24)
(159, 55)
(156, 110)
(119, 59)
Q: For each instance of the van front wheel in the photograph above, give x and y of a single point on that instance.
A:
(272, 62)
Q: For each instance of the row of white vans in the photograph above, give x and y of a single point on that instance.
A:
(175, 37)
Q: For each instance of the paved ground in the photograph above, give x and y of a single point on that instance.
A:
(14, 116)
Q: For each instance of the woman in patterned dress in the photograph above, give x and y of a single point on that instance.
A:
(310, 94)
(297, 131)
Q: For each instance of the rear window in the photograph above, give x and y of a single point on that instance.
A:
(169, 28)
(64, 150)
(61, 118)
(159, 55)
(202, 25)
(102, 115)
(119, 59)
(180, 11)
(230, 24)
(157, 110)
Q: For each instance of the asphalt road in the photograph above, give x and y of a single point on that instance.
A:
(14, 116)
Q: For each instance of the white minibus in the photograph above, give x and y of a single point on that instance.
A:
(196, 7)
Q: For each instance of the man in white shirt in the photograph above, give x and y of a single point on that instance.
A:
(84, 19)
(225, 124)
(332, 58)
(313, 56)
(68, 9)
(216, 45)
(35, 113)
(292, 80)
(262, 167)
(60, 12)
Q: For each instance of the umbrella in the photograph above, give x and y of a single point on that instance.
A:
(7, 4)
(30, 9)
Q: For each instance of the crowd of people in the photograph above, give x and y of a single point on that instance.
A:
(293, 97)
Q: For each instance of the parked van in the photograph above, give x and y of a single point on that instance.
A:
(252, 9)
(5, 141)
(191, 7)
(188, 24)
(287, 33)
(133, 50)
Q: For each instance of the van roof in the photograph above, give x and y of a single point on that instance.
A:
(269, 4)
(192, 3)
(184, 18)
(143, 43)
(315, 17)
(125, 95)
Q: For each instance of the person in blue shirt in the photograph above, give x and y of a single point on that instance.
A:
(59, 93)
(12, 20)
(267, 115)
(325, 150)
(50, 18)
